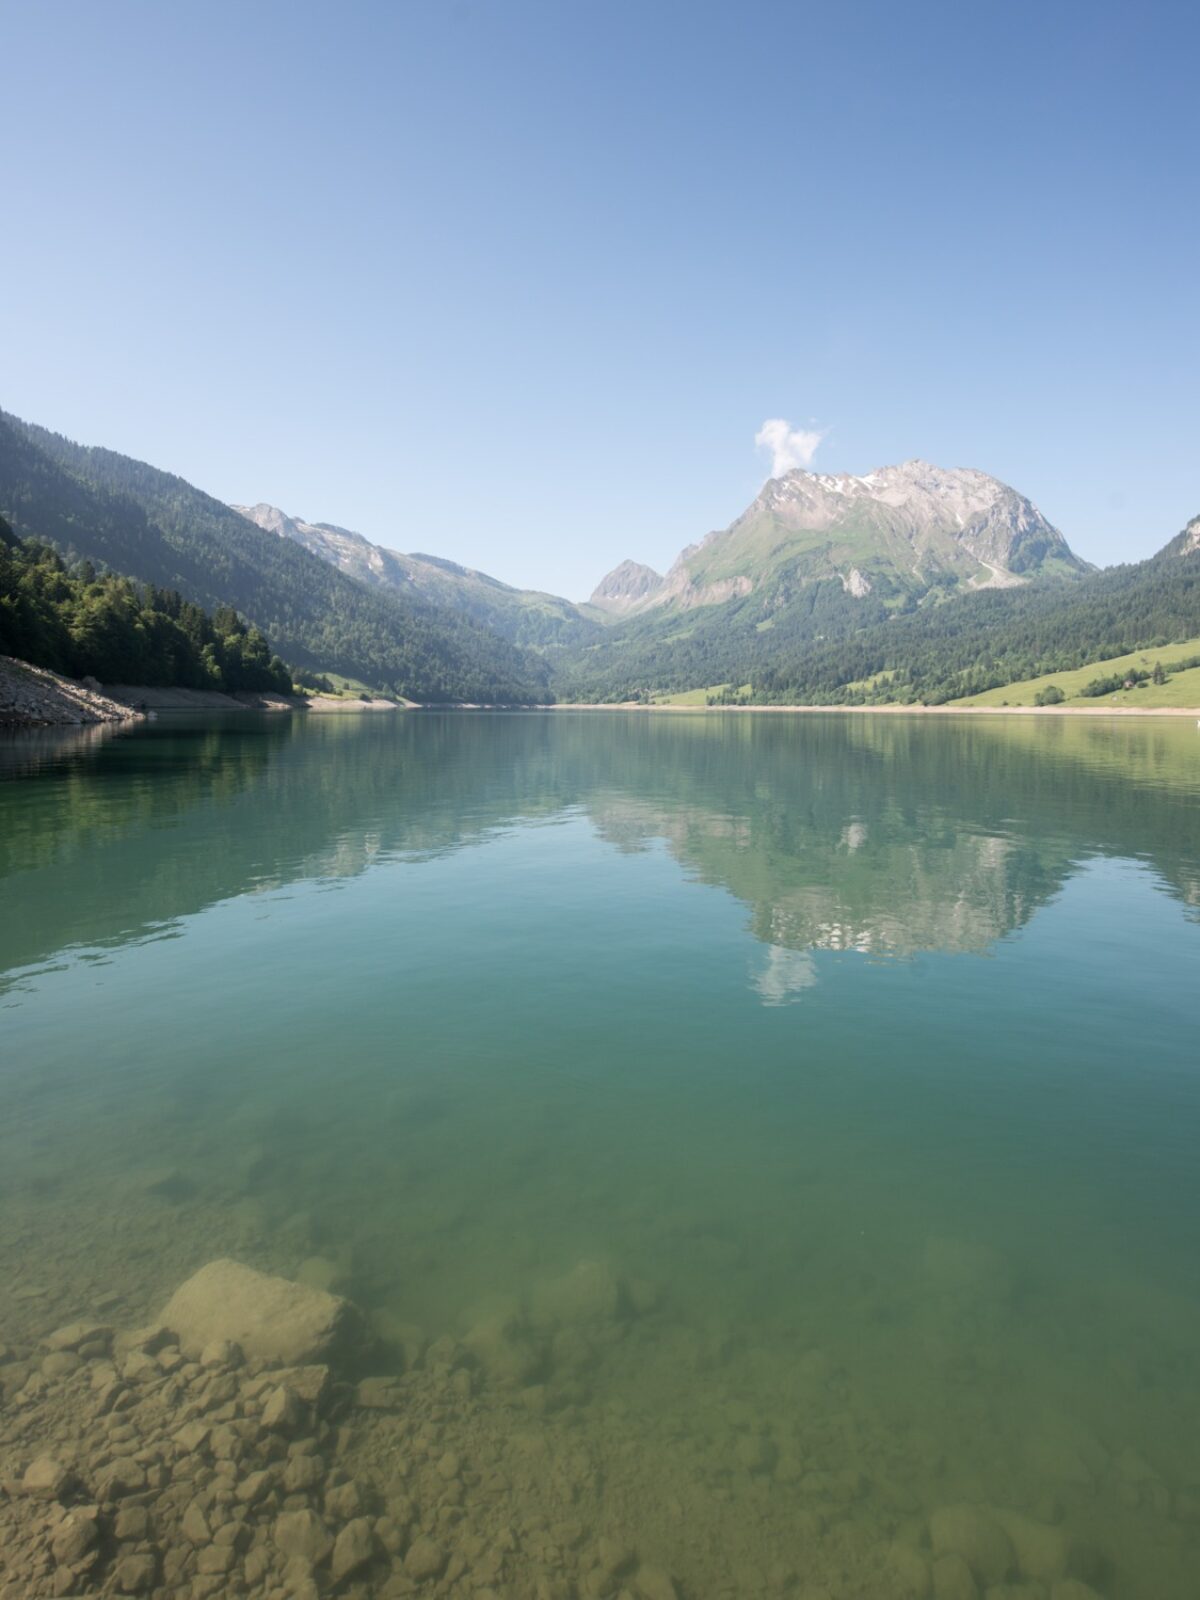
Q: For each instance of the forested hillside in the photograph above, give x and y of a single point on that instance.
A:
(986, 640)
(657, 653)
(81, 623)
(159, 529)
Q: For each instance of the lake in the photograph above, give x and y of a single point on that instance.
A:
(788, 1124)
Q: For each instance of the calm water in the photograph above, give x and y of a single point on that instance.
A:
(865, 1050)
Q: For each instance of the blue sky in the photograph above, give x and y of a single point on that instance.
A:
(518, 283)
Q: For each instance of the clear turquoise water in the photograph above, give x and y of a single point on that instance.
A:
(865, 1050)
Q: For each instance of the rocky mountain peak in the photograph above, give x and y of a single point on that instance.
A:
(912, 525)
(270, 518)
(629, 587)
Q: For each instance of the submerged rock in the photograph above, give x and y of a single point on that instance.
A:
(976, 1536)
(425, 1559)
(653, 1583)
(1042, 1551)
(74, 1538)
(590, 1293)
(135, 1574)
(269, 1318)
(379, 1394)
(194, 1525)
(505, 1350)
(1064, 1451)
(952, 1579)
(353, 1549)
(46, 1478)
(78, 1334)
(908, 1571)
(283, 1412)
(302, 1534)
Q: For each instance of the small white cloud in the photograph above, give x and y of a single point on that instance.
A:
(790, 447)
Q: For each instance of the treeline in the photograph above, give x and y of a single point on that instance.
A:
(82, 623)
(984, 641)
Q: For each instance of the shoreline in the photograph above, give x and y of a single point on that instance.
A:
(898, 711)
(32, 697)
(36, 697)
(173, 699)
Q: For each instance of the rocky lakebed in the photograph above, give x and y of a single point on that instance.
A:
(258, 1438)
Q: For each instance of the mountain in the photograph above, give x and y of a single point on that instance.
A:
(816, 556)
(627, 589)
(158, 529)
(1185, 543)
(909, 527)
(523, 616)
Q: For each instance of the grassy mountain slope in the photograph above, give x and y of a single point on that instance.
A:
(1177, 666)
(525, 617)
(159, 529)
(989, 640)
(909, 528)
(818, 557)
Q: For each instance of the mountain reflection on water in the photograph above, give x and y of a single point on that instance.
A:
(882, 835)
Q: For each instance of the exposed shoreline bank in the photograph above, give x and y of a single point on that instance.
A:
(34, 697)
(146, 699)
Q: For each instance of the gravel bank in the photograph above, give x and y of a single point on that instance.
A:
(32, 697)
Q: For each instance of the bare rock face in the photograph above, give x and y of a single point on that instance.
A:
(270, 1319)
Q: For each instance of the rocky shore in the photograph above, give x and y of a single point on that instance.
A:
(32, 697)
(159, 699)
(256, 1440)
